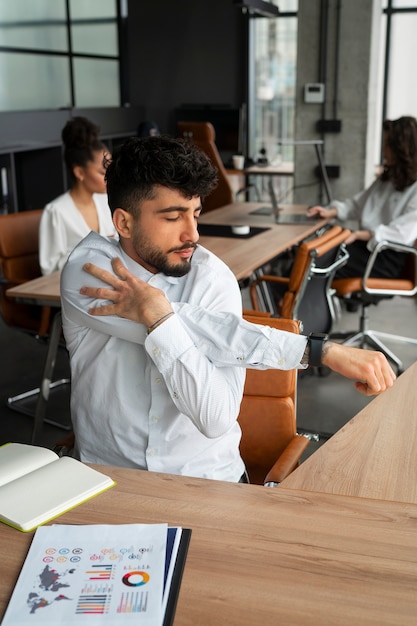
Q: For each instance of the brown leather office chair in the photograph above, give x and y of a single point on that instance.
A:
(204, 136)
(367, 291)
(305, 293)
(19, 263)
(270, 445)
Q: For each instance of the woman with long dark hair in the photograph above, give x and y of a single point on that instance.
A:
(70, 217)
(387, 210)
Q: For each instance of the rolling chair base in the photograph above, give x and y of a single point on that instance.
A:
(13, 401)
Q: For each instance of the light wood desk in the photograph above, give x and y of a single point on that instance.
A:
(268, 172)
(374, 455)
(44, 290)
(263, 557)
(244, 256)
(286, 168)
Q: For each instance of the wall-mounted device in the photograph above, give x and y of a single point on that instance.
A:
(314, 93)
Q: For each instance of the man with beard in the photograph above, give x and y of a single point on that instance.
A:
(157, 343)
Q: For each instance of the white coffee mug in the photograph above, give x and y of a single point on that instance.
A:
(238, 161)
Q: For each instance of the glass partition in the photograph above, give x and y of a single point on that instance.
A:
(272, 82)
(56, 55)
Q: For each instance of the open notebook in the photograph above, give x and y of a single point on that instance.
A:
(36, 485)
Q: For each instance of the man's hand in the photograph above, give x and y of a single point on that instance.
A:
(131, 297)
(369, 368)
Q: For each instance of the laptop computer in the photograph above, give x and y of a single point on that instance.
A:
(281, 217)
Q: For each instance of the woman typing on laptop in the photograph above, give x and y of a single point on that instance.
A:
(387, 210)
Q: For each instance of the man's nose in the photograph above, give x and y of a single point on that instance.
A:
(190, 232)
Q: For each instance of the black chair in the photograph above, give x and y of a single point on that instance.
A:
(306, 291)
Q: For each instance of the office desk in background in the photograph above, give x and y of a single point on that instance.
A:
(374, 455)
(244, 256)
(262, 556)
(282, 169)
(240, 179)
(43, 291)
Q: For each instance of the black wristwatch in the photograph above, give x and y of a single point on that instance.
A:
(316, 342)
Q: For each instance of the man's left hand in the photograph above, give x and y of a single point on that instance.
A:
(131, 297)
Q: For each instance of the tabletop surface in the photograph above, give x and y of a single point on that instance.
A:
(262, 556)
(44, 287)
(285, 168)
(374, 455)
(242, 255)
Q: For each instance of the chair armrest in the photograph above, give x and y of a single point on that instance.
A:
(389, 245)
(287, 461)
(282, 280)
(271, 279)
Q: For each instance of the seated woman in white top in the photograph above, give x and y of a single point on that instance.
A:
(387, 210)
(73, 215)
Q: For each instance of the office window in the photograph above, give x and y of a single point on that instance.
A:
(273, 78)
(401, 88)
(58, 55)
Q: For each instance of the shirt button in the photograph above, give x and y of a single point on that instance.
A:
(175, 395)
(155, 351)
(281, 362)
(155, 419)
(151, 452)
(158, 381)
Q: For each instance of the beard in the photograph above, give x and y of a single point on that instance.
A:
(157, 259)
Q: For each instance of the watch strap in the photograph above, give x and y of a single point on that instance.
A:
(316, 342)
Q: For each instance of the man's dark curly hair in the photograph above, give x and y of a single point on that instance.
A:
(401, 137)
(142, 163)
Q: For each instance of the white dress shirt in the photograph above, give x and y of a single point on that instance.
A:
(390, 215)
(167, 401)
(62, 226)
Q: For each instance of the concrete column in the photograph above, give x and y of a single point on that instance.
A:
(344, 54)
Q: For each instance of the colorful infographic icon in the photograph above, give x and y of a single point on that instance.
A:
(135, 578)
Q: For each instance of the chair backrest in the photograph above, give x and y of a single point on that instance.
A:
(307, 288)
(268, 411)
(19, 262)
(204, 136)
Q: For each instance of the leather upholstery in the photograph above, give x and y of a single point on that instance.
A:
(19, 263)
(308, 252)
(204, 136)
(270, 446)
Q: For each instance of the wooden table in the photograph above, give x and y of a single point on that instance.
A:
(270, 172)
(262, 556)
(244, 256)
(44, 291)
(286, 168)
(374, 455)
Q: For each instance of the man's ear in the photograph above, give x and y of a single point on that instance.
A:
(123, 221)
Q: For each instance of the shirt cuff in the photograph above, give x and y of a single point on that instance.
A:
(167, 343)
